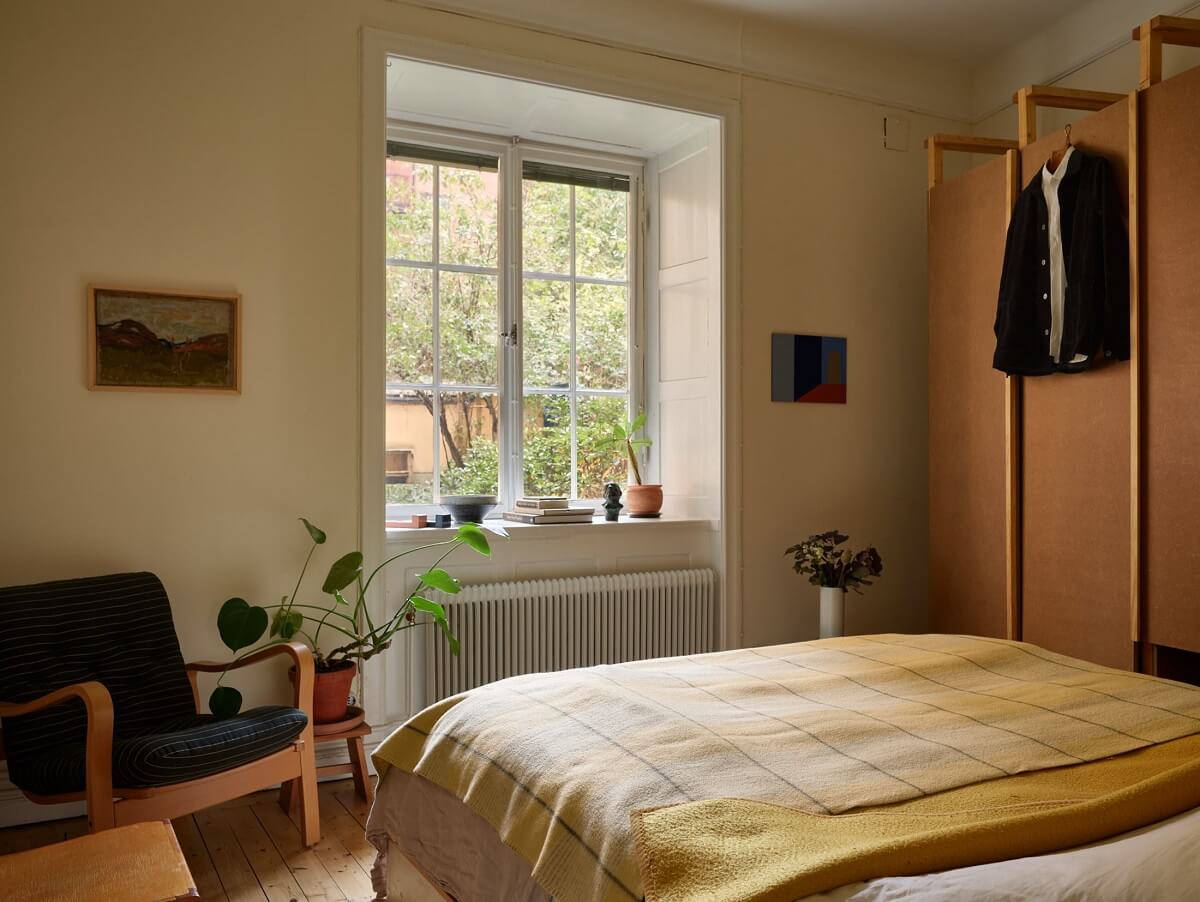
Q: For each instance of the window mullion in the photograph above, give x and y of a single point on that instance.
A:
(512, 483)
(437, 338)
(572, 369)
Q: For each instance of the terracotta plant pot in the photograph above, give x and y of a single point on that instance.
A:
(644, 500)
(331, 692)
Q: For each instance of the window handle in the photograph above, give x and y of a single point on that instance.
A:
(511, 337)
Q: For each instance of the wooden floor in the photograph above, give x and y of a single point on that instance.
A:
(248, 850)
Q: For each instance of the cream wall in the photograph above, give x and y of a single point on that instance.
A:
(835, 248)
(1099, 57)
(215, 146)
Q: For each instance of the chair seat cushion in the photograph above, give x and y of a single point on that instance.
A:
(183, 749)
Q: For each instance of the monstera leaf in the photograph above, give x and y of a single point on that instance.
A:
(317, 535)
(225, 701)
(471, 535)
(286, 623)
(344, 571)
(439, 579)
(241, 623)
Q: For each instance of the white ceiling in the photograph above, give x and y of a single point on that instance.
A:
(959, 31)
(471, 101)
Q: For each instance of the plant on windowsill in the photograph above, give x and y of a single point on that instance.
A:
(242, 624)
(642, 499)
(834, 570)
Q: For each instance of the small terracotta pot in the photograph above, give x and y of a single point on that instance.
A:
(644, 500)
(331, 692)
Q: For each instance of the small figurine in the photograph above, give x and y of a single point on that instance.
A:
(612, 502)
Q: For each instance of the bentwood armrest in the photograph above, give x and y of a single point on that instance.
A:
(302, 660)
(98, 704)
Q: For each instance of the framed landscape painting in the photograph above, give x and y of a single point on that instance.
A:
(149, 340)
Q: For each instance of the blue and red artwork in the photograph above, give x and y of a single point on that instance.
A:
(808, 368)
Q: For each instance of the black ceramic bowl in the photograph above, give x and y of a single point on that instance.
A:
(468, 508)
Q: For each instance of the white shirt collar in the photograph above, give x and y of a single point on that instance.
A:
(1053, 178)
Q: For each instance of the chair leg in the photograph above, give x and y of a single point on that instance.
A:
(310, 812)
(287, 793)
(101, 815)
(358, 764)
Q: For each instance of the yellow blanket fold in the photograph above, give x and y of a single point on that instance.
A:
(736, 850)
(746, 763)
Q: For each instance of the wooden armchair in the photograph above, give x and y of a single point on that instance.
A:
(99, 705)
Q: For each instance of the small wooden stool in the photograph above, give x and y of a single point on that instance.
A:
(357, 765)
(137, 863)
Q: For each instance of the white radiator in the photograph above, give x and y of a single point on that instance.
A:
(506, 629)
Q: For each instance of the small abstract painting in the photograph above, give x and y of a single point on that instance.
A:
(163, 340)
(810, 369)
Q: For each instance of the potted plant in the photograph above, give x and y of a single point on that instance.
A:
(834, 569)
(643, 500)
(358, 636)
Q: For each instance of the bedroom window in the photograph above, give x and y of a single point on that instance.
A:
(576, 315)
(509, 326)
(443, 368)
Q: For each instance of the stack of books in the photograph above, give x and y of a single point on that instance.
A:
(548, 510)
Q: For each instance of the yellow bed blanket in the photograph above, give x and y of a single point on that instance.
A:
(773, 773)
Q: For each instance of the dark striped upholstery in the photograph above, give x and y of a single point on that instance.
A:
(118, 631)
(193, 747)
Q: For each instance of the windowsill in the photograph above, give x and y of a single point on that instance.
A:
(543, 531)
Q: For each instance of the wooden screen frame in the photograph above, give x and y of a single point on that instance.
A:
(1152, 34)
(938, 144)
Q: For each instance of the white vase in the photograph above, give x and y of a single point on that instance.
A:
(833, 611)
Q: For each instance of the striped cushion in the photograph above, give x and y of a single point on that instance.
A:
(192, 747)
(118, 631)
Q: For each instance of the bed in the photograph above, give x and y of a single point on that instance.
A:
(869, 767)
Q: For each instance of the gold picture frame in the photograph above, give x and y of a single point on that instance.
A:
(142, 339)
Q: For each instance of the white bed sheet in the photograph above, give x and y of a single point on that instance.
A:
(1159, 863)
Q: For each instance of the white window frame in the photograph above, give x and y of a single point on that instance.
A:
(512, 154)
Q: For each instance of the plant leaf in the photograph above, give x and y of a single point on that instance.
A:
(339, 597)
(240, 624)
(638, 422)
(472, 535)
(318, 535)
(344, 571)
(429, 607)
(225, 701)
(292, 622)
(445, 628)
(276, 622)
(439, 579)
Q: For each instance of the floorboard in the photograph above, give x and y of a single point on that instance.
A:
(249, 850)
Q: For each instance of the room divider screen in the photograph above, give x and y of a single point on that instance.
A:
(967, 580)
(1064, 510)
(1075, 460)
(1170, 196)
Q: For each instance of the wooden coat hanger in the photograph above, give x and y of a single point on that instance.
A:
(1057, 156)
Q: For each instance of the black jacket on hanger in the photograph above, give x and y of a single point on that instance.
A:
(1096, 258)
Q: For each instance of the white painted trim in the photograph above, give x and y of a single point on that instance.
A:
(371, 329)
(739, 44)
(377, 44)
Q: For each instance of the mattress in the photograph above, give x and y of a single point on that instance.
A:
(464, 857)
(824, 763)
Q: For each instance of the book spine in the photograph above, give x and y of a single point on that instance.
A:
(541, 520)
